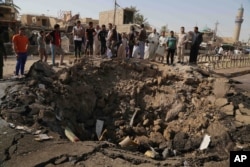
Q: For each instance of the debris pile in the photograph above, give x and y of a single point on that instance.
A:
(159, 111)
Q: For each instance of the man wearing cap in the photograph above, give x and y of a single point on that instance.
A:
(20, 46)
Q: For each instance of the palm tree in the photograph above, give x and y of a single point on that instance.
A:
(138, 17)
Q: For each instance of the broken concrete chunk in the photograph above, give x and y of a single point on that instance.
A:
(151, 154)
(220, 102)
(127, 142)
(243, 118)
(245, 111)
(228, 110)
(24, 128)
(241, 105)
(42, 137)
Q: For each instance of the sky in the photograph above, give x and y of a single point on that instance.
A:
(173, 13)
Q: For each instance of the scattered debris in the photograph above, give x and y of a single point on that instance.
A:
(127, 142)
(101, 101)
(24, 128)
(70, 135)
(98, 128)
(205, 142)
(133, 117)
(42, 137)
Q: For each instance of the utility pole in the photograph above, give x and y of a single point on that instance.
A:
(114, 13)
(215, 30)
(248, 40)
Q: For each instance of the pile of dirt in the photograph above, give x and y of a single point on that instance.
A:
(159, 111)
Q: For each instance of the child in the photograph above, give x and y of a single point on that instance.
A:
(42, 46)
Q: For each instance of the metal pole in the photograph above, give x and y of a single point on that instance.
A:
(114, 13)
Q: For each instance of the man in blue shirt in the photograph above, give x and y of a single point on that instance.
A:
(171, 47)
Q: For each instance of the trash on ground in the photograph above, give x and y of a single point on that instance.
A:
(205, 142)
(127, 142)
(98, 128)
(70, 135)
(41, 137)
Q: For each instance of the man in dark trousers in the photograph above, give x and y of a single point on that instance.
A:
(171, 45)
(90, 33)
(196, 41)
(131, 40)
(102, 37)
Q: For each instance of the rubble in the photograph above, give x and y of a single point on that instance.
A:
(159, 111)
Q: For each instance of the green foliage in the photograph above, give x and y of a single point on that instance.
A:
(138, 17)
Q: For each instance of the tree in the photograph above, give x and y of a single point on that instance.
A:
(138, 17)
(164, 28)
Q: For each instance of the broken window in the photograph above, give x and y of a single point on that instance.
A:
(44, 22)
(128, 17)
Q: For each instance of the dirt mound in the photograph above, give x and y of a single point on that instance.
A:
(160, 111)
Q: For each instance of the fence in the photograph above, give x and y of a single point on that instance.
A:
(212, 61)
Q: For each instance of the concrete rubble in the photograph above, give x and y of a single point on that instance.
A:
(161, 113)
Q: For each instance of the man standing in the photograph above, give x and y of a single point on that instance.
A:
(3, 55)
(112, 40)
(196, 41)
(161, 49)
(182, 40)
(142, 39)
(41, 44)
(55, 44)
(20, 46)
(171, 47)
(97, 43)
(153, 40)
(131, 40)
(78, 35)
(102, 38)
(90, 33)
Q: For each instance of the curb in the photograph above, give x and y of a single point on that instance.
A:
(233, 74)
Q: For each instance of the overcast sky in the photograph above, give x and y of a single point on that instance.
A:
(174, 13)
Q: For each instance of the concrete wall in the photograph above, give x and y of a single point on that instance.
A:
(34, 20)
(86, 20)
(108, 17)
(8, 13)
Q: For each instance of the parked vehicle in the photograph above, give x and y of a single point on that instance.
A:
(246, 51)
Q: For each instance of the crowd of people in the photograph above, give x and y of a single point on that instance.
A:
(108, 43)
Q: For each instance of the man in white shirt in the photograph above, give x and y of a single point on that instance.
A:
(78, 33)
(182, 40)
(97, 43)
(153, 40)
(161, 49)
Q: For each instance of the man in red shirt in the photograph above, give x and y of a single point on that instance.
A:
(20, 47)
(55, 43)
